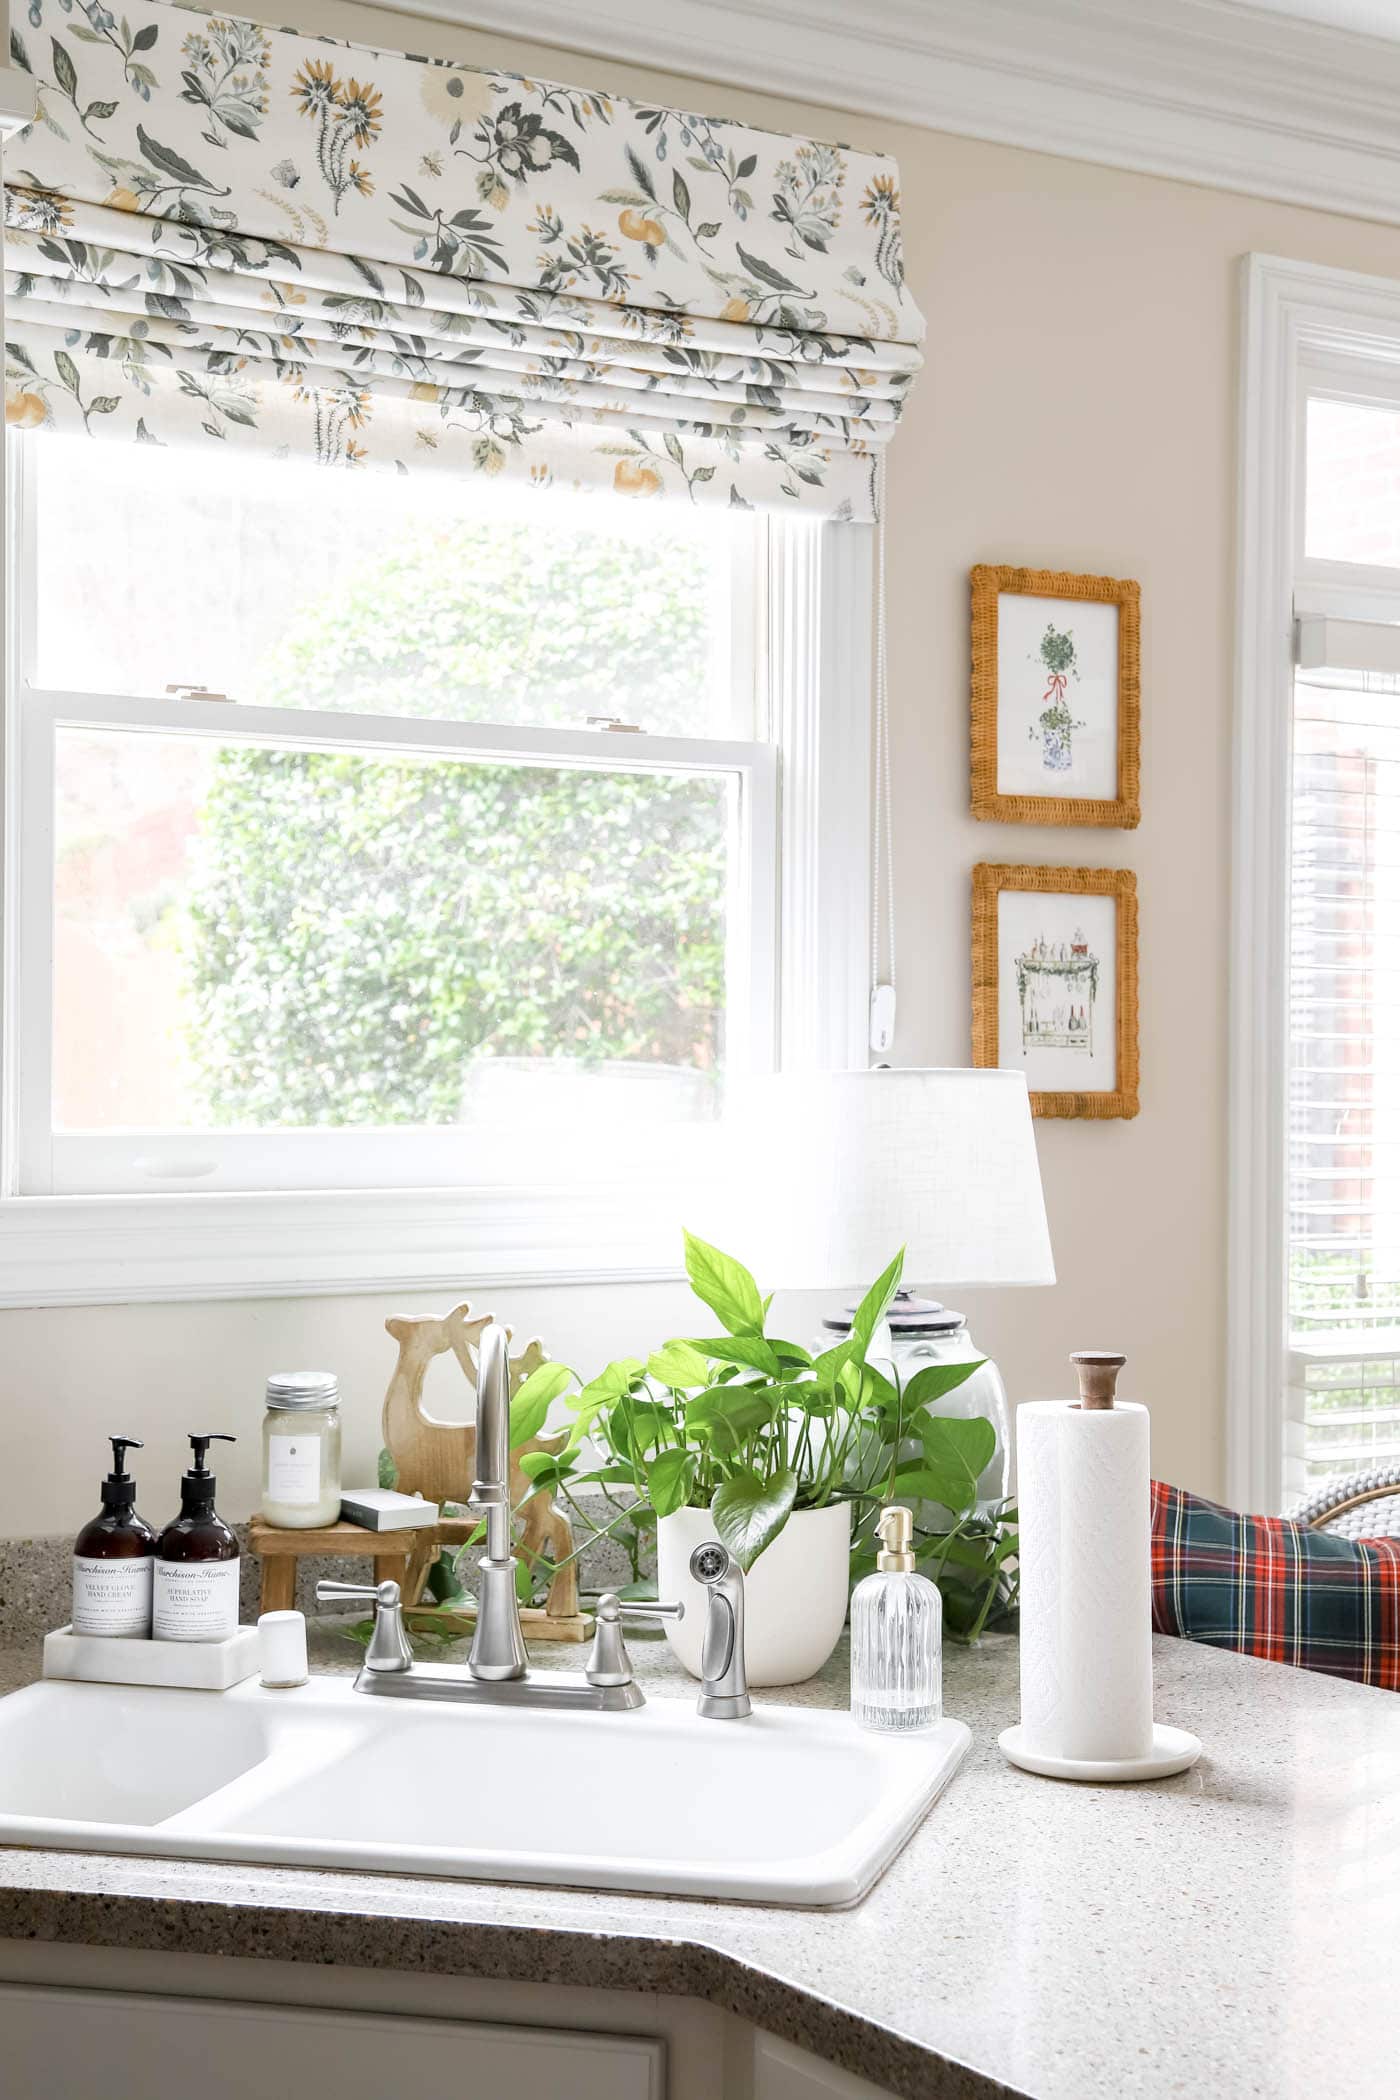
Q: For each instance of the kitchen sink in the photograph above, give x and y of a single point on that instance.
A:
(791, 1806)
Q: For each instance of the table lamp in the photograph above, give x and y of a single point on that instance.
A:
(854, 1165)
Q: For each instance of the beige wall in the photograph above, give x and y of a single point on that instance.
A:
(1077, 412)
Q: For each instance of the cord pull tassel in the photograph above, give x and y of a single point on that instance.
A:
(882, 1017)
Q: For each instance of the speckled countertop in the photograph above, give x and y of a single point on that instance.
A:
(1233, 1932)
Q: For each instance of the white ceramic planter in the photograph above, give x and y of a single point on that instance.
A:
(795, 1594)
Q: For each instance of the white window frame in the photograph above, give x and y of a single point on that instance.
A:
(805, 813)
(1305, 328)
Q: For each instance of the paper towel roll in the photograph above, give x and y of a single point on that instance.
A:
(1086, 1579)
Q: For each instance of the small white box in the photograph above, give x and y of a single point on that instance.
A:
(385, 1509)
(202, 1666)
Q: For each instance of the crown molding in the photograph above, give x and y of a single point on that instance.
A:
(1205, 91)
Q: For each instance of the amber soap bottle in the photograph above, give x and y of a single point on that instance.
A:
(196, 1564)
(113, 1558)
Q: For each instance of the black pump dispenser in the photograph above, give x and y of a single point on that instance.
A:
(195, 1595)
(112, 1565)
(198, 1484)
(119, 1489)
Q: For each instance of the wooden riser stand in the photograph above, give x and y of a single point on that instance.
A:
(403, 1557)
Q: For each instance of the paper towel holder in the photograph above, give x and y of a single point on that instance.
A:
(1097, 1371)
(1173, 1750)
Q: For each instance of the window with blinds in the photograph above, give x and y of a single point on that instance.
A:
(1344, 961)
(1344, 1096)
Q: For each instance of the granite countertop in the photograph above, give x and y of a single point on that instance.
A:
(1232, 1931)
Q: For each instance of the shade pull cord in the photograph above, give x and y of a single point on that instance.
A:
(882, 931)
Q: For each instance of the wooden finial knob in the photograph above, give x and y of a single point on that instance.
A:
(1098, 1375)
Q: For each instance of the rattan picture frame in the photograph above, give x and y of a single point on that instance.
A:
(1121, 811)
(989, 881)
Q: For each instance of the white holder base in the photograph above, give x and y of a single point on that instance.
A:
(1173, 1750)
(201, 1666)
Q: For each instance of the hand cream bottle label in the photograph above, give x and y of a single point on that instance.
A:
(112, 1597)
(195, 1600)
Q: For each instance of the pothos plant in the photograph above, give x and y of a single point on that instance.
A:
(753, 1428)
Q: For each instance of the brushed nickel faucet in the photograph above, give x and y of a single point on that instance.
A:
(498, 1671)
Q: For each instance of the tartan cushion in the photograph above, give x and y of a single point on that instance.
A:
(1269, 1587)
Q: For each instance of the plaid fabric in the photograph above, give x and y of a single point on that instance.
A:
(1266, 1586)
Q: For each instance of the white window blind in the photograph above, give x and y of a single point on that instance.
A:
(1344, 1095)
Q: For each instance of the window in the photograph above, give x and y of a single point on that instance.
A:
(1344, 968)
(1316, 1099)
(385, 833)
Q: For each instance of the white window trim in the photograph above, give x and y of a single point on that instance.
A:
(1297, 318)
(813, 882)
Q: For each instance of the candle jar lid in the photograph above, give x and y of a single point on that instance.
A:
(293, 1390)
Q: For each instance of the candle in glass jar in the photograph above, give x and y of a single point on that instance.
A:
(301, 1450)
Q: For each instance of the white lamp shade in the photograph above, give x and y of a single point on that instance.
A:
(844, 1168)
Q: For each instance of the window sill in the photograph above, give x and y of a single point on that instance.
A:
(105, 1250)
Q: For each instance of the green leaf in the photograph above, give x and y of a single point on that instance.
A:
(100, 110)
(750, 1350)
(612, 1384)
(641, 173)
(725, 1285)
(443, 1585)
(144, 38)
(937, 1379)
(170, 162)
(765, 273)
(681, 193)
(66, 370)
(670, 1479)
(871, 1310)
(914, 1483)
(388, 1472)
(634, 1427)
(532, 1403)
(728, 1414)
(749, 1512)
(677, 1364)
(956, 1453)
(827, 1368)
(542, 1469)
(957, 1443)
(64, 70)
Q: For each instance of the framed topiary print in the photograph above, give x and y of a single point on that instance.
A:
(1055, 698)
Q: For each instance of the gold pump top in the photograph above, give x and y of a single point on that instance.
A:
(896, 1531)
(1098, 1376)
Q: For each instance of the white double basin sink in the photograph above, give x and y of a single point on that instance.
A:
(790, 1806)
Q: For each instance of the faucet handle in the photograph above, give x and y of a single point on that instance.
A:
(357, 1592)
(608, 1660)
(388, 1652)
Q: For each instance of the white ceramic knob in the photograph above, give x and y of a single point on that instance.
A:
(282, 1649)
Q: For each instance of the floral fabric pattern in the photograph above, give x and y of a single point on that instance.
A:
(216, 231)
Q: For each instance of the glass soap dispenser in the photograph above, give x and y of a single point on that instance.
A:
(896, 1636)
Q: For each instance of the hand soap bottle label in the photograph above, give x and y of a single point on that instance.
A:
(112, 1597)
(294, 1470)
(195, 1600)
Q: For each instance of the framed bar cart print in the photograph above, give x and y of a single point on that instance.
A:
(1055, 698)
(1055, 985)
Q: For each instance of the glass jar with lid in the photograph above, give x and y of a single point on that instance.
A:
(301, 1450)
(918, 1331)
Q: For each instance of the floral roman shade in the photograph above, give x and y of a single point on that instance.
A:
(222, 233)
